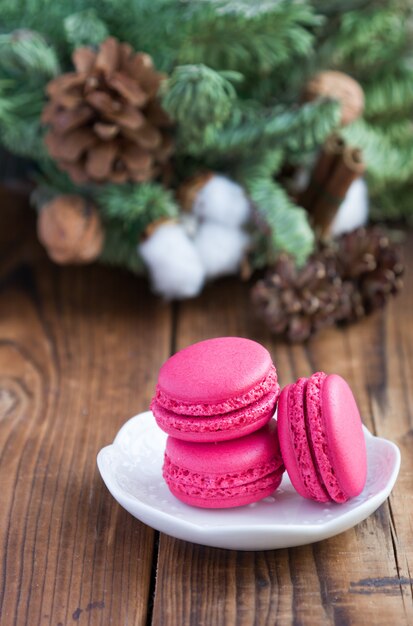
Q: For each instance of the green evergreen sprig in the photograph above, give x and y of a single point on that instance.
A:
(136, 205)
(249, 37)
(389, 95)
(386, 163)
(253, 128)
(25, 55)
(120, 248)
(126, 211)
(288, 223)
(198, 98)
(27, 63)
(371, 37)
(85, 28)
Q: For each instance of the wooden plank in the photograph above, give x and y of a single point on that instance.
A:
(359, 577)
(78, 356)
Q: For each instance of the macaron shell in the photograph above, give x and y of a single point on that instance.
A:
(294, 445)
(226, 457)
(215, 376)
(343, 427)
(222, 427)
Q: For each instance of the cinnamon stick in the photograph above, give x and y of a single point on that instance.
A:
(348, 167)
(325, 164)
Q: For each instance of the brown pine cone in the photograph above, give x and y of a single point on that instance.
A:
(373, 263)
(70, 229)
(342, 281)
(296, 303)
(105, 122)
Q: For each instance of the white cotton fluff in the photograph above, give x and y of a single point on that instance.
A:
(223, 201)
(173, 262)
(353, 211)
(221, 248)
(189, 223)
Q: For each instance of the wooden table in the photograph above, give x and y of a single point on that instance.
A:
(80, 349)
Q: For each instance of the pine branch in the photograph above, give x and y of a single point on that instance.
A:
(398, 130)
(257, 129)
(389, 95)
(198, 98)
(120, 250)
(23, 138)
(249, 37)
(85, 29)
(126, 211)
(394, 202)
(27, 62)
(290, 230)
(136, 205)
(386, 162)
(158, 27)
(54, 181)
(370, 38)
(25, 55)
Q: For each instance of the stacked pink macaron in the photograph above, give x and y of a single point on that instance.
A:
(216, 400)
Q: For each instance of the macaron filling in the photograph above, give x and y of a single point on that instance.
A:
(240, 421)
(301, 440)
(207, 487)
(210, 409)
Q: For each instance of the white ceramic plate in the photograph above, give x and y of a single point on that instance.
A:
(132, 470)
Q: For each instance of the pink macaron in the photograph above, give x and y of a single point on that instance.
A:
(321, 438)
(216, 390)
(224, 474)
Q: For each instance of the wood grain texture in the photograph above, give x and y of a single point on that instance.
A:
(75, 362)
(80, 349)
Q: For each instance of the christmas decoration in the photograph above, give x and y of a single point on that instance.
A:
(342, 281)
(70, 229)
(297, 303)
(341, 87)
(173, 262)
(367, 257)
(221, 200)
(207, 243)
(220, 248)
(182, 142)
(338, 165)
(105, 121)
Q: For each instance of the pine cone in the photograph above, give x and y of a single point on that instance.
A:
(368, 258)
(342, 281)
(105, 121)
(69, 227)
(296, 303)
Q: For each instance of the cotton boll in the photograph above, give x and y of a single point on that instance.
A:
(189, 223)
(221, 248)
(223, 201)
(353, 211)
(173, 262)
